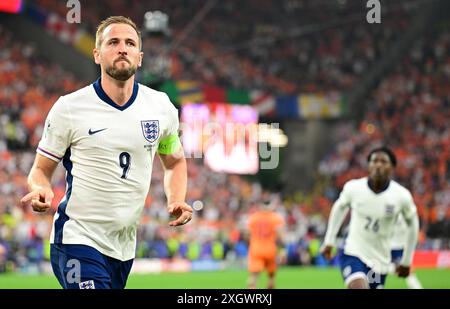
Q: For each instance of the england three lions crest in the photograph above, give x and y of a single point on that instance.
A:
(150, 129)
(389, 210)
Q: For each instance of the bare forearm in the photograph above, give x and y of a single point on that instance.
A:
(175, 181)
(38, 179)
(41, 194)
(41, 173)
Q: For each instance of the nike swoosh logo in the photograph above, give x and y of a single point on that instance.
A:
(96, 131)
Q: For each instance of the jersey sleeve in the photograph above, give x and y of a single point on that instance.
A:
(337, 215)
(250, 222)
(57, 131)
(169, 142)
(409, 212)
(344, 199)
(278, 221)
(409, 209)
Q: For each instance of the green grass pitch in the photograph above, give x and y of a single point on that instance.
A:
(287, 278)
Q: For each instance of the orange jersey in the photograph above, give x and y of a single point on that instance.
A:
(263, 227)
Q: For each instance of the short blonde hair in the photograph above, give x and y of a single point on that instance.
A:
(114, 20)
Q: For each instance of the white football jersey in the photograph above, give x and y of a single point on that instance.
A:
(108, 152)
(399, 237)
(372, 221)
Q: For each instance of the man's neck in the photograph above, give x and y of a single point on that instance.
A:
(119, 91)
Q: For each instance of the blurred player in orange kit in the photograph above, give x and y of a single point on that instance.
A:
(265, 226)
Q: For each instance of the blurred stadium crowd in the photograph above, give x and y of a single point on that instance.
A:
(234, 47)
(409, 110)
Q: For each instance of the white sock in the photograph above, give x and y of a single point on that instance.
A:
(413, 282)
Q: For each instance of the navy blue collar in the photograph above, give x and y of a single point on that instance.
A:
(104, 97)
(371, 186)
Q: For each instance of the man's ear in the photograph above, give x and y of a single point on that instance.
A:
(96, 54)
(141, 56)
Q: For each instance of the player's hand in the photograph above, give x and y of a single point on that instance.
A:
(181, 211)
(402, 271)
(326, 252)
(41, 199)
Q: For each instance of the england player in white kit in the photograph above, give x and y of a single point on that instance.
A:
(375, 203)
(107, 135)
(398, 241)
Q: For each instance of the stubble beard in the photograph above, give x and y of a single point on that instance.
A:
(121, 74)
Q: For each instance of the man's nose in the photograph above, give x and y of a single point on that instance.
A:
(122, 48)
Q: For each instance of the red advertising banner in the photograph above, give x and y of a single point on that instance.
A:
(431, 259)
